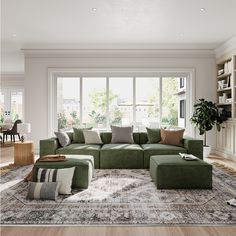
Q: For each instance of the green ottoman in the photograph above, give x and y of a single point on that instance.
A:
(83, 172)
(172, 172)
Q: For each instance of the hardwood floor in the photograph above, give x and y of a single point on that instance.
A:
(118, 231)
(7, 154)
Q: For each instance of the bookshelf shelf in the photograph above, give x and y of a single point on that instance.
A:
(226, 85)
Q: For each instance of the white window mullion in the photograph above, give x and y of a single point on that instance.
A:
(134, 100)
(81, 101)
(160, 99)
(107, 104)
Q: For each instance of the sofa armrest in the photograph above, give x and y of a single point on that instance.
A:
(194, 146)
(48, 146)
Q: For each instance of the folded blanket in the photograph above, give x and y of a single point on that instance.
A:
(57, 157)
(46, 158)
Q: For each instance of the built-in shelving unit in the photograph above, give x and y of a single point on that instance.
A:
(226, 100)
(226, 85)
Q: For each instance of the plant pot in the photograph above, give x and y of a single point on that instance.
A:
(206, 151)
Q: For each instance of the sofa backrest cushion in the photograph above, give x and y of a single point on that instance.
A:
(63, 138)
(154, 135)
(122, 134)
(78, 136)
(106, 137)
(172, 137)
(143, 138)
(70, 134)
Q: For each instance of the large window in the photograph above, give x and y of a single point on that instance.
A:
(121, 101)
(170, 101)
(94, 102)
(102, 101)
(147, 107)
(68, 103)
(11, 104)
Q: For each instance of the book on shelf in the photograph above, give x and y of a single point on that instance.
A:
(188, 157)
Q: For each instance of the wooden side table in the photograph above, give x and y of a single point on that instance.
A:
(24, 153)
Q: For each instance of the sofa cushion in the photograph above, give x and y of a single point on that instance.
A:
(172, 137)
(122, 134)
(154, 135)
(43, 191)
(118, 156)
(143, 138)
(106, 137)
(63, 176)
(82, 149)
(117, 146)
(63, 138)
(78, 136)
(92, 137)
(159, 149)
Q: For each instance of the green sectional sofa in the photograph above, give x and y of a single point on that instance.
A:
(121, 156)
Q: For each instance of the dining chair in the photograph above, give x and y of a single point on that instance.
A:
(12, 132)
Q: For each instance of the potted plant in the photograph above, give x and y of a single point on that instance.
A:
(204, 118)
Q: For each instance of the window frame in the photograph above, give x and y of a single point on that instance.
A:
(182, 109)
(54, 73)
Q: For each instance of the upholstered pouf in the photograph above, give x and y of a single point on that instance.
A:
(172, 172)
(83, 172)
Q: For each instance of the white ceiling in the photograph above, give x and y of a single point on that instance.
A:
(115, 24)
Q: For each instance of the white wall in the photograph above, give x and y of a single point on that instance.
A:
(38, 62)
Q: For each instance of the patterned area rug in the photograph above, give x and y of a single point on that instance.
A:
(126, 197)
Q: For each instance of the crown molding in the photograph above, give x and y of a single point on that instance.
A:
(226, 48)
(12, 79)
(118, 53)
(11, 75)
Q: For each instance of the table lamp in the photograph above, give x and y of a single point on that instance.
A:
(23, 129)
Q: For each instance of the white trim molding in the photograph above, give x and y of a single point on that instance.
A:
(53, 73)
(226, 48)
(118, 53)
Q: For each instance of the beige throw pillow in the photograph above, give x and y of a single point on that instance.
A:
(92, 137)
(172, 137)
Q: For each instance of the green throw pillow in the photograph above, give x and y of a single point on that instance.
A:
(154, 135)
(78, 136)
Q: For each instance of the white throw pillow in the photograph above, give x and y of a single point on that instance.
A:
(63, 176)
(92, 137)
